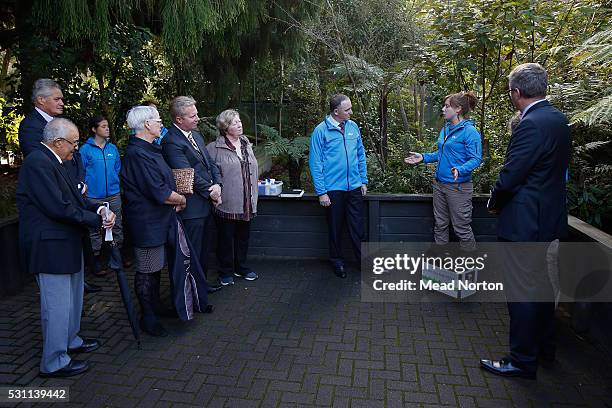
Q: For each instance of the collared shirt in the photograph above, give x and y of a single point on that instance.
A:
(524, 112)
(190, 138)
(334, 122)
(44, 114)
(55, 154)
(182, 131)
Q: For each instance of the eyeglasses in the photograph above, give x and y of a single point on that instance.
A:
(72, 142)
(155, 120)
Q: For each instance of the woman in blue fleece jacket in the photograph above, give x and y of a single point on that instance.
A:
(459, 154)
(102, 164)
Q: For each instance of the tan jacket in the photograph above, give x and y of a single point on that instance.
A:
(229, 164)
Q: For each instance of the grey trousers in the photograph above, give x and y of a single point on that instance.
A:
(61, 304)
(453, 203)
(96, 235)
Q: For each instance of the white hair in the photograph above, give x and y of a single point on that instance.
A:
(58, 128)
(44, 87)
(138, 115)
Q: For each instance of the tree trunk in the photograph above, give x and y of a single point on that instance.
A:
(5, 64)
(281, 96)
(415, 100)
(403, 111)
(383, 108)
(485, 142)
(295, 173)
(422, 110)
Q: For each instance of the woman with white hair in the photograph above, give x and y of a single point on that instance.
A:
(150, 207)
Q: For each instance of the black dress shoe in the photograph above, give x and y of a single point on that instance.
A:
(339, 271)
(91, 288)
(505, 368)
(88, 346)
(214, 287)
(75, 367)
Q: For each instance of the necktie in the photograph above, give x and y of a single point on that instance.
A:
(193, 142)
(341, 127)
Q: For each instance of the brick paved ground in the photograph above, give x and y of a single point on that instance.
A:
(301, 337)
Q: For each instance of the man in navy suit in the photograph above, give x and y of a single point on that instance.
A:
(48, 101)
(529, 198)
(53, 217)
(184, 147)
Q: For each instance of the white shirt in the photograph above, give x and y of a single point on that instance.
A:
(182, 131)
(524, 112)
(44, 114)
(334, 122)
(55, 154)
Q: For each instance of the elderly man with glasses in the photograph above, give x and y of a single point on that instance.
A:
(53, 217)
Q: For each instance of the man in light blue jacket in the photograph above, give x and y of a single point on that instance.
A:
(338, 168)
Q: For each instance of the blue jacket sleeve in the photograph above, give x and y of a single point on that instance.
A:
(361, 157)
(430, 157)
(117, 162)
(85, 158)
(473, 150)
(315, 161)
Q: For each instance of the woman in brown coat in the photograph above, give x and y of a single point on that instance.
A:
(233, 154)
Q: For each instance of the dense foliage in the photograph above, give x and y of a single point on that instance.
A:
(278, 61)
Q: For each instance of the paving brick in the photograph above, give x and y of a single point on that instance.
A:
(274, 347)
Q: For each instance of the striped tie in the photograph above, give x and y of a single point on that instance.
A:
(193, 142)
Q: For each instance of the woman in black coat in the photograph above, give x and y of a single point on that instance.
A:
(151, 206)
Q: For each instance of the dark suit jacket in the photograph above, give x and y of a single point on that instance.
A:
(53, 216)
(179, 154)
(530, 192)
(31, 134)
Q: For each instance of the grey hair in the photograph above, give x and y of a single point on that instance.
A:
(224, 120)
(531, 79)
(58, 128)
(179, 104)
(138, 115)
(44, 87)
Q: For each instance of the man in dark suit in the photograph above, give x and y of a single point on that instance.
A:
(48, 101)
(184, 147)
(53, 217)
(529, 198)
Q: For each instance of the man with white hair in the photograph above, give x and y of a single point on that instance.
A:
(53, 217)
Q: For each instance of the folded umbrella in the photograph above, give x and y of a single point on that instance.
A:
(116, 264)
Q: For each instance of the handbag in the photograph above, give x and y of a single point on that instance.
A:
(184, 179)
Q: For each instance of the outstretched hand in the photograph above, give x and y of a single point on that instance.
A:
(413, 158)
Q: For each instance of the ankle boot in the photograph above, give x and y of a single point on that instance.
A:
(144, 286)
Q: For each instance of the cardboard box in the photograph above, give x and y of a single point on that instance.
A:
(449, 282)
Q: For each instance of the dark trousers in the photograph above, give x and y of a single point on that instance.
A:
(345, 205)
(531, 321)
(532, 331)
(197, 231)
(232, 246)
